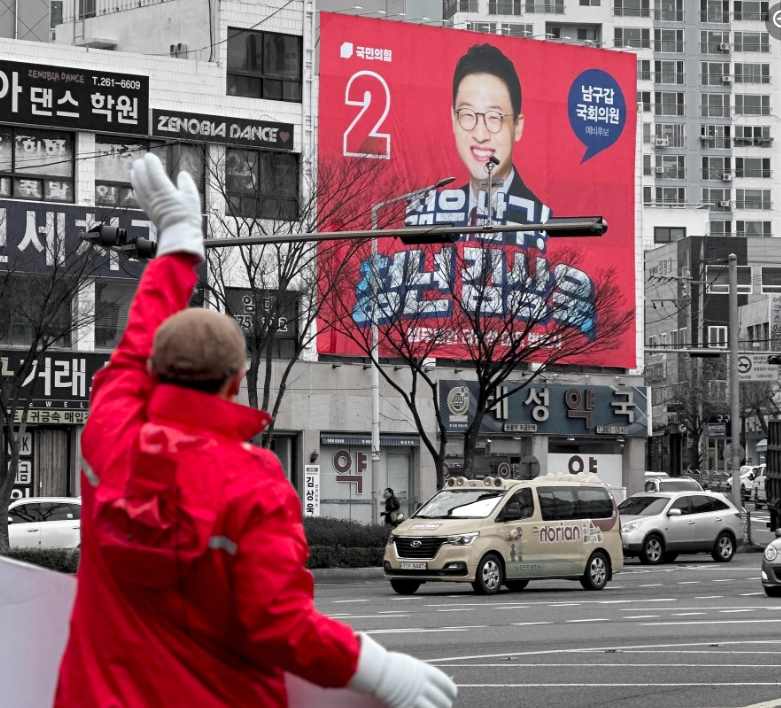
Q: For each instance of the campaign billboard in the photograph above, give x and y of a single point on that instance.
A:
(537, 129)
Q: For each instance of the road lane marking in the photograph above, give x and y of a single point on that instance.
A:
(336, 602)
(457, 609)
(527, 624)
(610, 685)
(361, 617)
(709, 597)
(652, 585)
(686, 614)
(595, 619)
(722, 580)
(516, 665)
(566, 604)
(676, 648)
(743, 610)
(390, 612)
(641, 617)
(748, 594)
(413, 630)
(664, 624)
(690, 582)
(773, 703)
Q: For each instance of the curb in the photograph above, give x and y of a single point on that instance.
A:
(754, 548)
(346, 575)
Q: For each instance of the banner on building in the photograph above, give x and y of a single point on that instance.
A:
(419, 105)
(80, 99)
(596, 411)
(311, 490)
(198, 127)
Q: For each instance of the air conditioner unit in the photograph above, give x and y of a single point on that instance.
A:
(725, 204)
(726, 177)
(662, 142)
(724, 47)
(178, 50)
(726, 79)
(660, 170)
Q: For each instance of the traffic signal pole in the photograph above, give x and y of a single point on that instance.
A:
(734, 383)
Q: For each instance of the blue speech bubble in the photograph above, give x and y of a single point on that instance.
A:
(597, 111)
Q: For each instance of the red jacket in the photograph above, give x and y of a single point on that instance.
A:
(192, 587)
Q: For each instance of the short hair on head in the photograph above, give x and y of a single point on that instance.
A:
(487, 59)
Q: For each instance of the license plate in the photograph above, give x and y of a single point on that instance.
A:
(414, 566)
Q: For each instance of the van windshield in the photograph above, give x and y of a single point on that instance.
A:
(643, 506)
(467, 504)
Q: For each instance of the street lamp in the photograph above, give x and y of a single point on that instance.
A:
(376, 345)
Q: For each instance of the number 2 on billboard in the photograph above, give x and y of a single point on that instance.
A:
(368, 90)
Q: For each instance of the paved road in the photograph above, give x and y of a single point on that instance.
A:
(693, 634)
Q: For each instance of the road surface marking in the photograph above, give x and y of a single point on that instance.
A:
(566, 604)
(390, 612)
(709, 597)
(652, 585)
(687, 614)
(641, 617)
(457, 609)
(526, 624)
(596, 619)
(743, 610)
(336, 602)
(691, 582)
(722, 580)
(413, 630)
(362, 617)
(516, 665)
(608, 685)
(662, 624)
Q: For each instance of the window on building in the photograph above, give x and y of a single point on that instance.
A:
(449, 8)
(715, 105)
(55, 13)
(648, 168)
(590, 3)
(36, 164)
(632, 8)
(512, 29)
(714, 73)
(752, 42)
(644, 70)
(632, 37)
(718, 336)
(504, 7)
(754, 228)
(21, 312)
(752, 105)
(555, 7)
(714, 42)
(86, 8)
(668, 234)
(714, 11)
(669, 103)
(648, 196)
(671, 196)
(644, 100)
(771, 279)
(668, 72)
(262, 184)
(673, 133)
(753, 199)
(752, 73)
(264, 65)
(715, 136)
(751, 11)
(716, 167)
(668, 40)
(647, 127)
(720, 228)
(756, 135)
(487, 27)
(467, 6)
(112, 305)
(717, 199)
(753, 167)
(115, 157)
(717, 280)
(668, 10)
(671, 166)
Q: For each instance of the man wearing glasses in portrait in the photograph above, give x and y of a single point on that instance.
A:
(487, 122)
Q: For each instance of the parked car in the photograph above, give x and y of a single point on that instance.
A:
(760, 495)
(672, 484)
(658, 526)
(45, 522)
(771, 567)
(747, 475)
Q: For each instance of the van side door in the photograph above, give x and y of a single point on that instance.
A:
(518, 544)
(560, 531)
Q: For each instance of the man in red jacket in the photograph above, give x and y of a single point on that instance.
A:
(192, 586)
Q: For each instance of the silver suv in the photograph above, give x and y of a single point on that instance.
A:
(658, 526)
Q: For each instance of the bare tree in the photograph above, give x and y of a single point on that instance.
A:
(40, 307)
(275, 290)
(498, 309)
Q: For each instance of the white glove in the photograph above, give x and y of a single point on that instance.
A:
(400, 680)
(175, 212)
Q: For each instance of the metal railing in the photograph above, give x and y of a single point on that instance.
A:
(714, 173)
(671, 47)
(711, 141)
(754, 204)
(631, 11)
(633, 43)
(669, 15)
(714, 111)
(669, 77)
(504, 8)
(762, 174)
(553, 9)
(468, 6)
(95, 8)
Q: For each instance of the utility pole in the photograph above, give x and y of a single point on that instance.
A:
(734, 384)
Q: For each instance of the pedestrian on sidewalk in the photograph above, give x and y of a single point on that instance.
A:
(192, 587)
(392, 507)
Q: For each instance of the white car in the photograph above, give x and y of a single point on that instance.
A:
(45, 522)
(760, 492)
(747, 475)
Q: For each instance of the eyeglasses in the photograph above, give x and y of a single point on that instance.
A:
(467, 119)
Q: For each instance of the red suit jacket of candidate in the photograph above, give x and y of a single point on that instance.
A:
(192, 586)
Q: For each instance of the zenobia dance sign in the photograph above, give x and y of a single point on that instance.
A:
(427, 103)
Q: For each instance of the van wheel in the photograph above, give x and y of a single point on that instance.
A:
(405, 587)
(516, 585)
(490, 575)
(597, 572)
(723, 549)
(652, 551)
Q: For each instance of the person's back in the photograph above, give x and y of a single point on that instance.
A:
(192, 585)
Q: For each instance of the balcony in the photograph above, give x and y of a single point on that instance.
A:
(633, 43)
(661, 109)
(668, 15)
(715, 173)
(669, 77)
(754, 204)
(94, 8)
(504, 8)
(551, 9)
(715, 17)
(715, 111)
(761, 174)
(750, 16)
(468, 6)
(668, 47)
(644, 75)
(631, 11)
(669, 172)
(711, 141)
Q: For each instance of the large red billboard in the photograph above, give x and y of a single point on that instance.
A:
(554, 122)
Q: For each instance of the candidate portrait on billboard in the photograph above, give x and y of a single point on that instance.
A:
(552, 121)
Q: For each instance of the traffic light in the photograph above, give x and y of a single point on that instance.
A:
(105, 236)
(115, 239)
(774, 359)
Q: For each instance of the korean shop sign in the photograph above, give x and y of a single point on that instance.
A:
(82, 99)
(197, 127)
(594, 411)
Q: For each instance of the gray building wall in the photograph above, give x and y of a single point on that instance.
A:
(27, 19)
